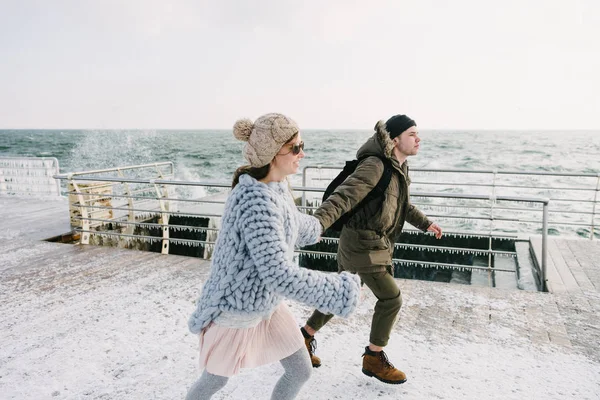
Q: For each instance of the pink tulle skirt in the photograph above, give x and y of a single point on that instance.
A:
(223, 351)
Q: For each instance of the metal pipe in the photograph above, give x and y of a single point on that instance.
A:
(399, 260)
(154, 198)
(149, 224)
(544, 246)
(486, 185)
(439, 248)
(154, 211)
(157, 238)
(129, 167)
(303, 188)
(304, 184)
(476, 171)
(594, 206)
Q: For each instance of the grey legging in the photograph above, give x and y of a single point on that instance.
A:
(297, 371)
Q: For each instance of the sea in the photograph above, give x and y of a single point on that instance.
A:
(215, 154)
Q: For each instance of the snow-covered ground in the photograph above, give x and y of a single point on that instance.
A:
(33, 217)
(104, 323)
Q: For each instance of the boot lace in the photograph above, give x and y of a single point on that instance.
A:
(312, 343)
(385, 360)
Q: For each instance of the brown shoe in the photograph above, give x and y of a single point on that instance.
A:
(377, 364)
(311, 346)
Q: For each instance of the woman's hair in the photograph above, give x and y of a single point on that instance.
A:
(257, 173)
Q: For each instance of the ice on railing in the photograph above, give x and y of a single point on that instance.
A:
(28, 163)
(189, 229)
(328, 240)
(28, 176)
(131, 240)
(317, 256)
(29, 187)
(21, 172)
(413, 263)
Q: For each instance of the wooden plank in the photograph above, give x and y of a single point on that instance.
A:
(574, 266)
(587, 253)
(569, 281)
(554, 281)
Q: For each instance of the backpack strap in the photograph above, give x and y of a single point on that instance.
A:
(383, 183)
(380, 187)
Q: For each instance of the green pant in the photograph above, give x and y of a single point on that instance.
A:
(389, 301)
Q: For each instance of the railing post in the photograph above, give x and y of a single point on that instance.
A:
(83, 211)
(544, 245)
(304, 184)
(2, 184)
(594, 206)
(131, 215)
(56, 170)
(164, 219)
(491, 275)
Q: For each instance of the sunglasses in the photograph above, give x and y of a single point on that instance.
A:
(295, 149)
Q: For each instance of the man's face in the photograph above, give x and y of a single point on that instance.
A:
(407, 142)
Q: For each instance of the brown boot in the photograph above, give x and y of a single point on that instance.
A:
(377, 364)
(311, 345)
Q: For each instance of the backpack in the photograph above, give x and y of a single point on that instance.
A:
(377, 191)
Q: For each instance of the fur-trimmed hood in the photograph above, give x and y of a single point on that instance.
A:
(379, 144)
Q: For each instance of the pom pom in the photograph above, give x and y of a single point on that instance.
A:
(242, 129)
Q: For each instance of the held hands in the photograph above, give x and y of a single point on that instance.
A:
(361, 298)
(436, 229)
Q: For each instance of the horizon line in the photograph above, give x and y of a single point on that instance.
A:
(302, 129)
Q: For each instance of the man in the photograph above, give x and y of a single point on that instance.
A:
(367, 240)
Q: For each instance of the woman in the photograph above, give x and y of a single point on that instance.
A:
(240, 317)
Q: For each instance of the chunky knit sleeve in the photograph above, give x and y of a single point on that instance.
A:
(309, 229)
(264, 236)
(207, 308)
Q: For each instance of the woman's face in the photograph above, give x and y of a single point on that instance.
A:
(287, 161)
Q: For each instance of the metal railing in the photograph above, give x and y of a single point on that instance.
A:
(488, 221)
(108, 207)
(575, 196)
(99, 200)
(29, 176)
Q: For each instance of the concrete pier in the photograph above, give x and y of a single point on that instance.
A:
(86, 322)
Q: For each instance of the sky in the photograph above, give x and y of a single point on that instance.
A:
(152, 64)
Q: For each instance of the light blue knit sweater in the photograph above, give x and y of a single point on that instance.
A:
(252, 267)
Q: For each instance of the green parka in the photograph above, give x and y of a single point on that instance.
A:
(367, 240)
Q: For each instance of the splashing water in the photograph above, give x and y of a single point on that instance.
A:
(108, 149)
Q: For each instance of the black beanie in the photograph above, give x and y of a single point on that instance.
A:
(398, 124)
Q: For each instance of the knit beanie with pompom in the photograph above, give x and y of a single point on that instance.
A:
(264, 137)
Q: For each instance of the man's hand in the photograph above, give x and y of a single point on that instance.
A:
(435, 228)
